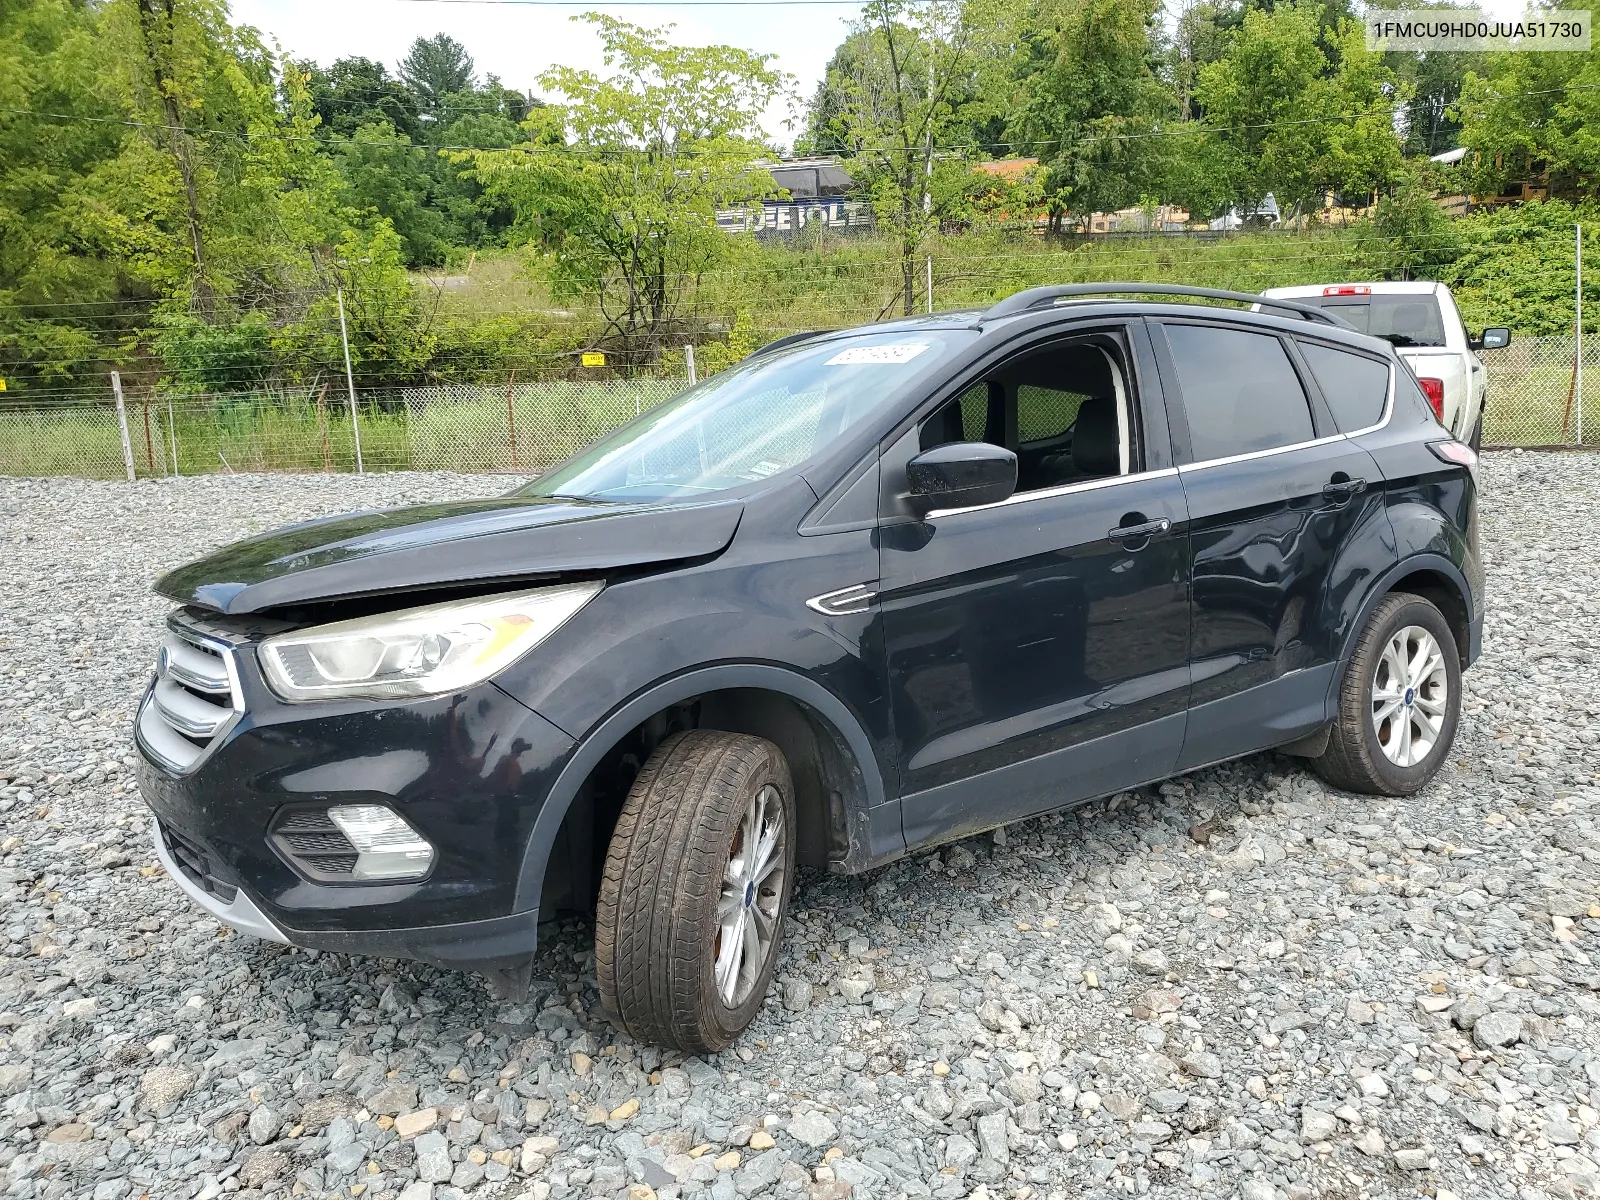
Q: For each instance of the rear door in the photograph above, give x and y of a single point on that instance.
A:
(1037, 654)
(1276, 494)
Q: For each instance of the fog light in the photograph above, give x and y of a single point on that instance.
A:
(386, 847)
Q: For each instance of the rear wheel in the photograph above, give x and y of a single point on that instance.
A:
(1476, 440)
(696, 883)
(1399, 703)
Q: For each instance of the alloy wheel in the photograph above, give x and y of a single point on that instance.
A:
(1410, 696)
(751, 905)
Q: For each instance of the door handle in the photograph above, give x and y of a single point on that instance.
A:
(1343, 489)
(1141, 532)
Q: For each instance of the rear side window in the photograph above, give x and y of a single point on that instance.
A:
(1240, 392)
(1354, 386)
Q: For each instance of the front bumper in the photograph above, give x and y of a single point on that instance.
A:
(470, 772)
(240, 912)
(494, 944)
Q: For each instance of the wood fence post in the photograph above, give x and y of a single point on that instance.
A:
(149, 444)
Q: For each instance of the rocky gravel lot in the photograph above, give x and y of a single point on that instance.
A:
(1239, 983)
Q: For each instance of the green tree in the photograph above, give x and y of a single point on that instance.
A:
(1300, 110)
(435, 70)
(1409, 234)
(1430, 120)
(1534, 117)
(391, 330)
(1514, 267)
(829, 126)
(397, 180)
(631, 168)
(76, 194)
(1199, 38)
(373, 126)
(354, 92)
(898, 116)
(1092, 102)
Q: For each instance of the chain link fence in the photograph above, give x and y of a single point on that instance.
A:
(1533, 397)
(526, 427)
(522, 428)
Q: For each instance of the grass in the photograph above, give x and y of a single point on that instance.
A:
(845, 280)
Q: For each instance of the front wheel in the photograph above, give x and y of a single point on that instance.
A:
(696, 884)
(1399, 703)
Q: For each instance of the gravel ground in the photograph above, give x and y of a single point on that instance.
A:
(1238, 983)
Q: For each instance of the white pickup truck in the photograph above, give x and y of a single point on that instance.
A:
(1422, 321)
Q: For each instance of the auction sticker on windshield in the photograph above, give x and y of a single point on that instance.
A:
(882, 355)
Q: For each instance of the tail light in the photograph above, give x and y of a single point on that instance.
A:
(1433, 389)
(1347, 289)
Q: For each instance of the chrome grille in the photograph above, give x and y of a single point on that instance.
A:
(195, 699)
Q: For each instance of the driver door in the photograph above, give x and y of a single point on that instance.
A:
(1038, 656)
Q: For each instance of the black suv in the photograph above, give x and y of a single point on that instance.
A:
(866, 592)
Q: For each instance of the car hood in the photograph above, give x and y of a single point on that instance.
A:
(434, 545)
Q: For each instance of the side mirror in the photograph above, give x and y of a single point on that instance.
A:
(961, 475)
(1495, 337)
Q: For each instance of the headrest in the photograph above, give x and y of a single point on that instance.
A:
(1096, 445)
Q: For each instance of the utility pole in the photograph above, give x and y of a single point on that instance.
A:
(350, 379)
(930, 284)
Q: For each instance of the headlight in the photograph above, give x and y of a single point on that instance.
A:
(418, 651)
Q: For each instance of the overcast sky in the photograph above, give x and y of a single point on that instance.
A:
(519, 42)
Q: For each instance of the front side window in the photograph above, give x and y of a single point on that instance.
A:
(767, 415)
(1063, 409)
(1240, 391)
(1356, 387)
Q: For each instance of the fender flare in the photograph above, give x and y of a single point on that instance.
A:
(1385, 583)
(599, 740)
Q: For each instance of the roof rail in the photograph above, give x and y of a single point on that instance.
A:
(1045, 297)
(789, 340)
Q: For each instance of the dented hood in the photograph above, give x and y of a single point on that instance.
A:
(432, 545)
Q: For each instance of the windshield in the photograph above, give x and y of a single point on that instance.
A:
(1402, 320)
(752, 421)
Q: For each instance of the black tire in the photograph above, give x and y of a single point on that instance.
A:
(1476, 440)
(1355, 759)
(657, 932)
